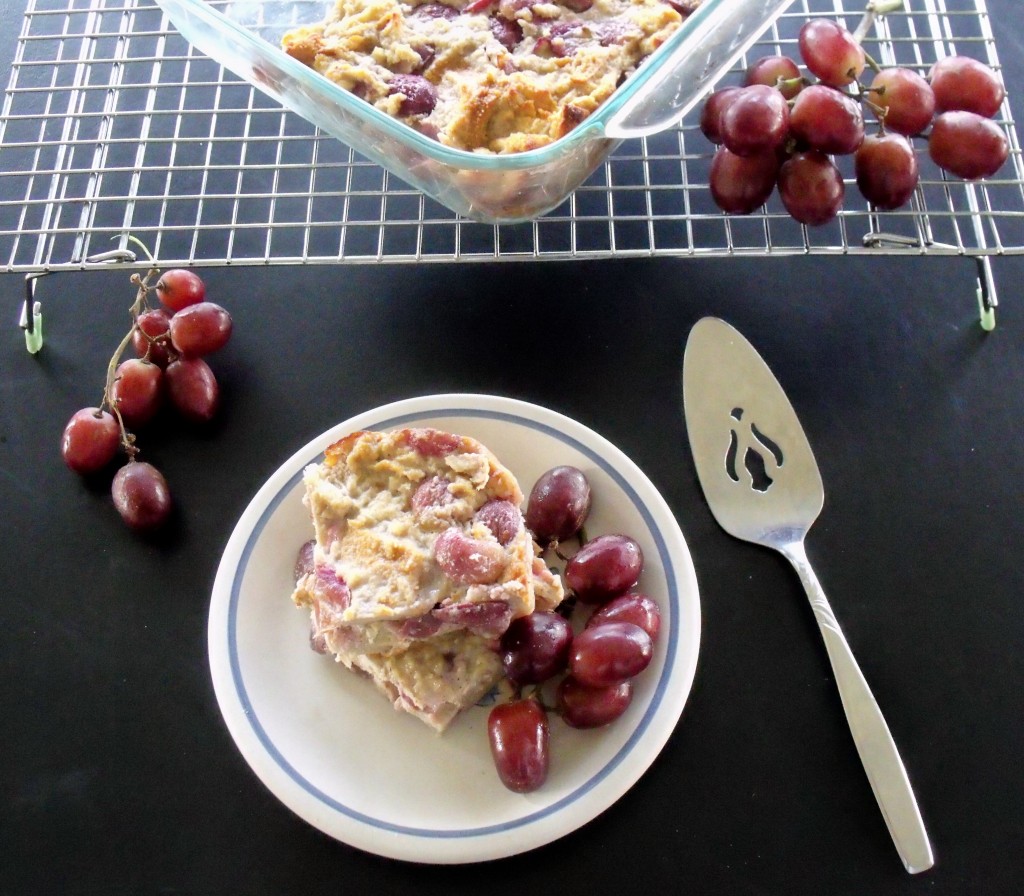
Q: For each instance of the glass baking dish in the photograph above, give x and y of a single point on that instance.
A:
(244, 36)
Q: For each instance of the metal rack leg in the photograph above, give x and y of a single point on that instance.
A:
(31, 320)
(987, 298)
(985, 290)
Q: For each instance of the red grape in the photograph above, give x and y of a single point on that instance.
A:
(711, 113)
(466, 559)
(193, 389)
(905, 100)
(154, 324)
(831, 52)
(779, 72)
(827, 119)
(431, 493)
(755, 121)
(168, 346)
(518, 734)
(179, 288)
(811, 188)
(740, 185)
(607, 654)
(305, 563)
(502, 518)
(886, 169)
(508, 32)
(585, 707)
(967, 145)
(603, 568)
(684, 7)
(90, 440)
(963, 84)
(141, 495)
(636, 608)
(200, 329)
(440, 11)
(137, 392)
(558, 504)
(419, 96)
(535, 648)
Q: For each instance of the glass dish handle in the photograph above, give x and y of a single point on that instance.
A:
(683, 78)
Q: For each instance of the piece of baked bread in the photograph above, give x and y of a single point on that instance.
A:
(420, 562)
(418, 533)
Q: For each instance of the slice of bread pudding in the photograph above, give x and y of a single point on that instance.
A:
(420, 562)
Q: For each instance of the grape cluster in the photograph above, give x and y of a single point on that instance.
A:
(783, 129)
(170, 341)
(595, 661)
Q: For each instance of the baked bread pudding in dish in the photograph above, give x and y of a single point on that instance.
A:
(499, 76)
(421, 561)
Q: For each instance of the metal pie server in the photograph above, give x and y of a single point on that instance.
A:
(761, 481)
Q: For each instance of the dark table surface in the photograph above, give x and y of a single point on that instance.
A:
(119, 775)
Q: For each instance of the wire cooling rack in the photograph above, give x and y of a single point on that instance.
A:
(113, 125)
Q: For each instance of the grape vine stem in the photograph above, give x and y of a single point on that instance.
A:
(874, 9)
(138, 306)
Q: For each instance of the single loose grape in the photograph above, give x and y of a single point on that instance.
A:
(141, 495)
(604, 568)
(581, 706)
(610, 653)
(519, 738)
(558, 504)
(535, 648)
(637, 608)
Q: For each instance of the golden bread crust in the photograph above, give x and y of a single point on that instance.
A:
(507, 76)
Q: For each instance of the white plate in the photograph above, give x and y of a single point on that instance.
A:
(334, 751)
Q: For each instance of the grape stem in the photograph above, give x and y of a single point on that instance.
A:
(784, 84)
(138, 306)
(581, 539)
(880, 111)
(134, 239)
(874, 9)
(538, 694)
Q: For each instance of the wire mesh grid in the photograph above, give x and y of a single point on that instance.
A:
(112, 124)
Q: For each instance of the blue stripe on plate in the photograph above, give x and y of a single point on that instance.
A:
(585, 788)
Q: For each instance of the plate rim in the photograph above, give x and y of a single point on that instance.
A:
(551, 820)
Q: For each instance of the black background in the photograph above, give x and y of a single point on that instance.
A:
(119, 775)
